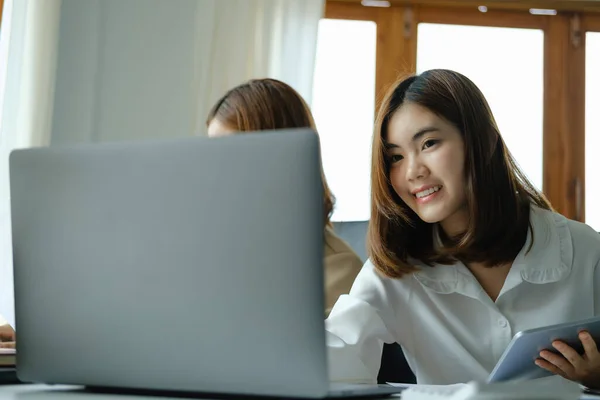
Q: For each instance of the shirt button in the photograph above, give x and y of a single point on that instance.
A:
(502, 322)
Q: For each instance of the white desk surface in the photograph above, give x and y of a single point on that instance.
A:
(60, 392)
(57, 392)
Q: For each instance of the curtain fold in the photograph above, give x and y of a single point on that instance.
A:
(98, 90)
(30, 38)
(278, 41)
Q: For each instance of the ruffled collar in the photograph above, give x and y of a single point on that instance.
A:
(549, 259)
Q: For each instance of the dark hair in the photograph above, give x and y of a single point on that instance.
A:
(267, 104)
(498, 194)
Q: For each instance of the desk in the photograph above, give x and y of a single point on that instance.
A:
(59, 392)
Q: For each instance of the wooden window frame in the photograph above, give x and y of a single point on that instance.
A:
(564, 69)
(388, 52)
(588, 6)
(472, 16)
(1, 10)
(590, 23)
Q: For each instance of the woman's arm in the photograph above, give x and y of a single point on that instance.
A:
(583, 368)
(357, 328)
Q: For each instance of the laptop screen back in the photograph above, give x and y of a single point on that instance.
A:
(191, 264)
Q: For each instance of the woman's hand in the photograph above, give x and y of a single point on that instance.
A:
(7, 337)
(583, 368)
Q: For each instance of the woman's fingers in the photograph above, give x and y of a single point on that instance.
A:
(569, 353)
(589, 345)
(548, 366)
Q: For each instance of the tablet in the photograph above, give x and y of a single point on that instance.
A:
(518, 360)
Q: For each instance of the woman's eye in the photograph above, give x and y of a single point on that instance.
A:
(395, 158)
(429, 143)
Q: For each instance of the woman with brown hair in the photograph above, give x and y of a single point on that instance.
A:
(267, 104)
(464, 251)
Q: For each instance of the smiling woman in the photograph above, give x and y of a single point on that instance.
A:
(437, 133)
(464, 251)
(427, 168)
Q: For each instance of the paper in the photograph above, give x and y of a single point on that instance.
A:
(4, 351)
(435, 392)
(531, 389)
(409, 385)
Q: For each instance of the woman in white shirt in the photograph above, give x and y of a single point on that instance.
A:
(464, 251)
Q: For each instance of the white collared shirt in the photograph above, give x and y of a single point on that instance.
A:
(449, 328)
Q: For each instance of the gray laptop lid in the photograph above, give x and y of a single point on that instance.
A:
(192, 264)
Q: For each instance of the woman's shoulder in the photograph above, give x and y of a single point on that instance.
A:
(577, 228)
(582, 235)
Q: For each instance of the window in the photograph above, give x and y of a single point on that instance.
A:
(343, 104)
(507, 64)
(592, 130)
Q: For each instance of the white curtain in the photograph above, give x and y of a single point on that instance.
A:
(28, 45)
(254, 39)
(235, 40)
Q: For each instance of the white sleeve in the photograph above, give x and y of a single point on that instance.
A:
(356, 329)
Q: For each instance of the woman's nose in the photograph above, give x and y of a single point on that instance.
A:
(416, 169)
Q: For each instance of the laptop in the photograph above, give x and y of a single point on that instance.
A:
(186, 265)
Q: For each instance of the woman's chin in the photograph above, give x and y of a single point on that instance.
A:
(429, 218)
(430, 215)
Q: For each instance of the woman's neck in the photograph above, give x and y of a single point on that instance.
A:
(491, 279)
(456, 224)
